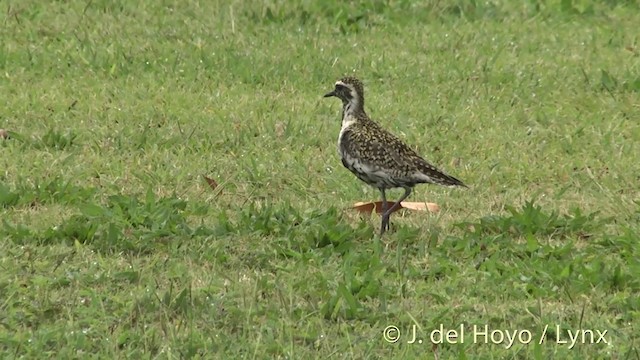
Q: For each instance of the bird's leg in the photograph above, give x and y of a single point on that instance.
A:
(384, 201)
(387, 213)
(385, 220)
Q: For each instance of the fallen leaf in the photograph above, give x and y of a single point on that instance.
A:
(212, 183)
(368, 207)
(421, 206)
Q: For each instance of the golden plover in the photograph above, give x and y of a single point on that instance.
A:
(376, 156)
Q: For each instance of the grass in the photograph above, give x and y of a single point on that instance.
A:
(114, 246)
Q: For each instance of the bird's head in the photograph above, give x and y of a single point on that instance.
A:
(350, 90)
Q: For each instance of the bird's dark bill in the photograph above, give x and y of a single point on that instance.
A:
(333, 93)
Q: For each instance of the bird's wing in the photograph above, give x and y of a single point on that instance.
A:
(379, 150)
(389, 153)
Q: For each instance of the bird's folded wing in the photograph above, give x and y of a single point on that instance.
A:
(379, 156)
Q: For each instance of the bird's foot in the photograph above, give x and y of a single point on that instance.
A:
(385, 224)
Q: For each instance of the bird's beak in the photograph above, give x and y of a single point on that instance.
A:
(330, 94)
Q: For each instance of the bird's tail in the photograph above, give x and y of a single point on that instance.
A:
(435, 176)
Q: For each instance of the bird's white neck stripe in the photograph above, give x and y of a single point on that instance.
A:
(350, 108)
(347, 121)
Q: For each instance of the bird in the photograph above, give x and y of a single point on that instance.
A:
(375, 155)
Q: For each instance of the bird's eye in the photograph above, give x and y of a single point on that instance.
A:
(341, 87)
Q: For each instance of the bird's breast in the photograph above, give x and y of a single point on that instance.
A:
(347, 121)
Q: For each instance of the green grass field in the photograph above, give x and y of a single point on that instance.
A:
(112, 244)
